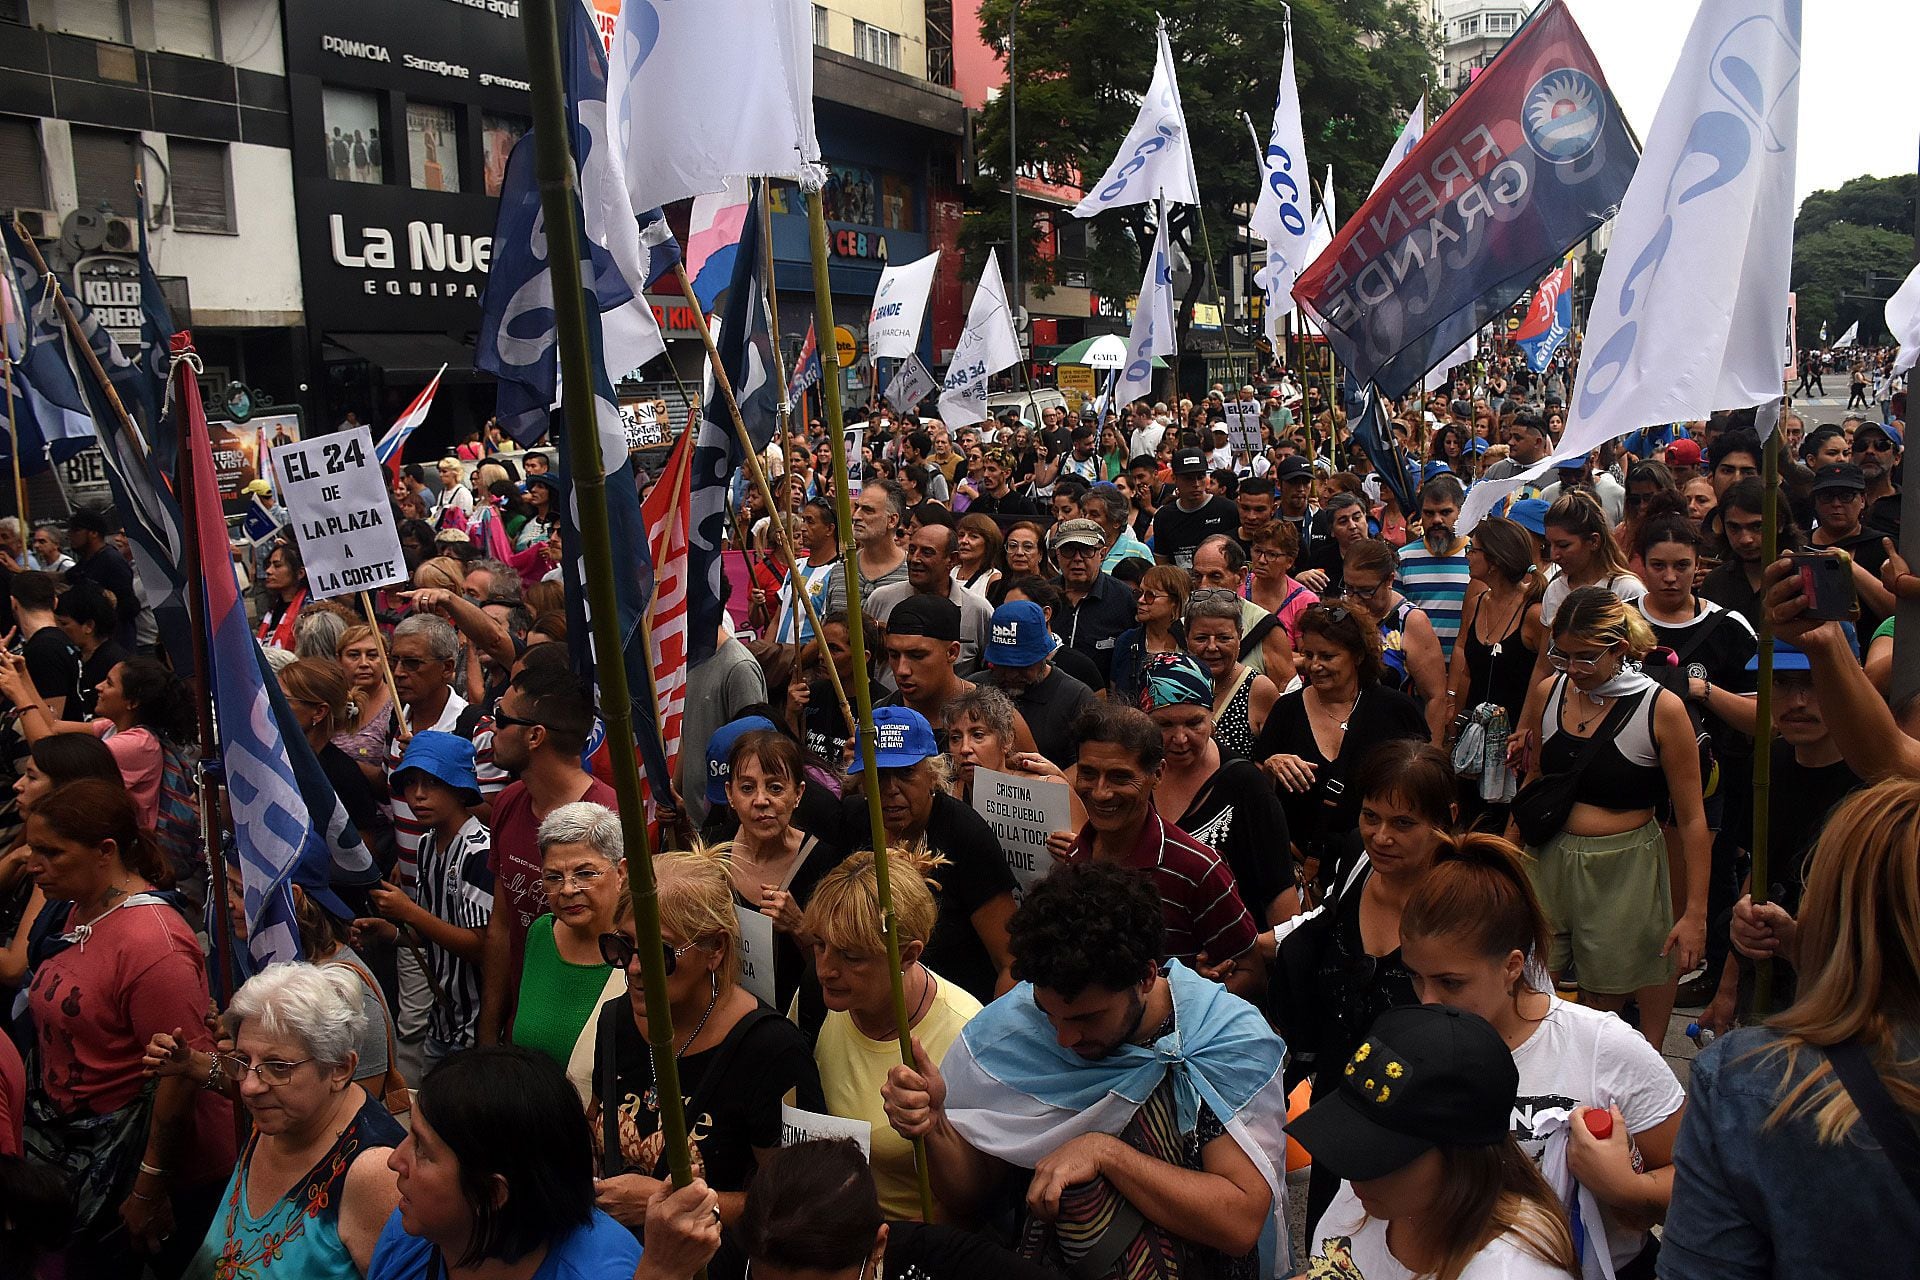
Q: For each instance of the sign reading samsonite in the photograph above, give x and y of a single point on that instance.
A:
(402, 113)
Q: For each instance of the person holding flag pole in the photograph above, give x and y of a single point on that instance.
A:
(557, 177)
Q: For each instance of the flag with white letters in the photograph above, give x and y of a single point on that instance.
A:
(1152, 332)
(986, 347)
(1283, 213)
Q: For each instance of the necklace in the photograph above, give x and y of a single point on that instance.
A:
(651, 1098)
(1351, 708)
(1507, 627)
(1580, 726)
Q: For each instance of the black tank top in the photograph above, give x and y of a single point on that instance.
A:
(1501, 678)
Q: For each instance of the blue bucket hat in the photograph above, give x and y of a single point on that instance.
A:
(1530, 514)
(447, 757)
(902, 738)
(1018, 635)
(720, 747)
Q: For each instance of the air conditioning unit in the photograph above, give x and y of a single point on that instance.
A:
(123, 236)
(40, 224)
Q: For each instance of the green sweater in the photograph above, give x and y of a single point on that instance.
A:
(557, 997)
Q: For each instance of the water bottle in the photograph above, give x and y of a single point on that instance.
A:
(1701, 1036)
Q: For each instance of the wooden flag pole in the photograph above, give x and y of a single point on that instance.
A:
(863, 690)
(386, 668)
(555, 165)
(1763, 714)
(783, 537)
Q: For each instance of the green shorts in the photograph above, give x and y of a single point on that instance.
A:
(1610, 903)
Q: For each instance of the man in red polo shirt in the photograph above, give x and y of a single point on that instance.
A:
(1208, 925)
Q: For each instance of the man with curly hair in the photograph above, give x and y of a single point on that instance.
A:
(1143, 1103)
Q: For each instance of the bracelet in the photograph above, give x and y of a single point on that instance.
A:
(152, 1172)
(148, 1199)
(212, 1083)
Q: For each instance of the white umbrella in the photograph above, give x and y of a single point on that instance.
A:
(1109, 351)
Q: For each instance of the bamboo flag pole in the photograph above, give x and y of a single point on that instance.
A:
(771, 300)
(783, 537)
(555, 165)
(13, 432)
(386, 668)
(843, 504)
(1763, 713)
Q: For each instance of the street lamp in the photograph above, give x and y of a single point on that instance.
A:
(1013, 173)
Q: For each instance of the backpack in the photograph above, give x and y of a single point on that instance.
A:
(177, 828)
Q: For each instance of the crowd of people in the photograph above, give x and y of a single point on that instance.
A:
(1391, 853)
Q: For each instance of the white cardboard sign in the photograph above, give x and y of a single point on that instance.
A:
(756, 953)
(335, 492)
(797, 1126)
(1022, 812)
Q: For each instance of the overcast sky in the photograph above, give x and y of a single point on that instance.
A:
(1859, 111)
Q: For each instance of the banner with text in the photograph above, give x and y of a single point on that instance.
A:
(336, 493)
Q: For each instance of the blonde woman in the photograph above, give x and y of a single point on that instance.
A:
(859, 1042)
(738, 1060)
(1781, 1167)
(364, 736)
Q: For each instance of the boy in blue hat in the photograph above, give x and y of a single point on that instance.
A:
(452, 896)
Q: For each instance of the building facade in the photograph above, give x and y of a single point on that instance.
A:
(189, 99)
(1471, 33)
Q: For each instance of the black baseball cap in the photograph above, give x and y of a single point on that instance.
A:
(1189, 462)
(1292, 467)
(1840, 475)
(1426, 1076)
(935, 617)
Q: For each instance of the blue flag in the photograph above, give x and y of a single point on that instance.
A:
(747, 356)
(288, 824)
(1371, 429)
(156, 333)
(48, 394)
(1530, 159)
(519, 344)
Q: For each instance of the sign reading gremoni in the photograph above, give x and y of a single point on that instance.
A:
(336, 496)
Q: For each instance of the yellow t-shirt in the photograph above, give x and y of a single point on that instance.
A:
(852, 1069)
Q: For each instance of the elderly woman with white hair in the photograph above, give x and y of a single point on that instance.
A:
(312, 1189)
(563, 978)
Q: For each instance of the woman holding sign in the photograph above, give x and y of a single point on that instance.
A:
(738, 1061)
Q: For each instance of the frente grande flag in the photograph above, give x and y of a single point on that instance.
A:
(394, 443)
(1533, 157)
(665, 512)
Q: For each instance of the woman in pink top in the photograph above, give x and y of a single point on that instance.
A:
(1271, 586)
(137, 704)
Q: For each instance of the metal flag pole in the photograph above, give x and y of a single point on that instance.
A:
(555, 165)
(863, 690)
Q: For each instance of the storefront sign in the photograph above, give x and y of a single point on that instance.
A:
(858, 244)
(845, 349)
(110, 286)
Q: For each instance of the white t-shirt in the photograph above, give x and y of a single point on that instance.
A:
(1350, 1245)
(1581, 1057)
(1624, 585)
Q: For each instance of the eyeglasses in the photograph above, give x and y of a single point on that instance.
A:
(413, 664)
(1561, 662)
(618, 950)
(272, 1071)
(1365, 593)
(501, 720)
(584, 877)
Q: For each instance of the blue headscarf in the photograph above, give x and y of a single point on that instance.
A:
(1175, 680)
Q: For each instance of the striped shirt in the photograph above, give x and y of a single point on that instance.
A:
(1438, 585)
(456, 886)
(407, 829)
(1202, 908)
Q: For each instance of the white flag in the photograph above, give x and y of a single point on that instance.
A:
(899, 305)
(1690, 311)
(1323, 222)
(1152, 333)
(1157, 157)
(1415, 127)
(1851, 336)
(1903, 318)
(1283, 214)
(678, 142)
(910, 386)
(1437, 376)
(987, 347)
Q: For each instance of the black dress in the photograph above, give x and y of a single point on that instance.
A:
(1319, 817)
(1237, 813)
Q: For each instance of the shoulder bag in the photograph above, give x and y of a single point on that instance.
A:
(1891, 1127)
(1541, 807)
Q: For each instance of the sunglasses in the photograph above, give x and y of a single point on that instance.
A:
(1331, 612)
(1875, 446)
(501, 720)
(618, 950)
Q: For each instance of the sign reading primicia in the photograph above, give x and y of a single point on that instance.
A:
(337, 495)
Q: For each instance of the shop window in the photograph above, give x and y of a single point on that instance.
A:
(23, 178)
(202, 187)
(103, 161)
(497, 136)
(850, 195)
(433, 148)
(820, 25)
(351, 120)
(876, 45)
(899, 203)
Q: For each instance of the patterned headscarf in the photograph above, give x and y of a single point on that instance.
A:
(1174, 680)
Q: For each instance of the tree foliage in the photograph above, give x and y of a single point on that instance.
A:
(1850, 248)
(1081, 66)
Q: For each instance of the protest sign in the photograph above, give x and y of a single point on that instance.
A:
(336, 493)
(756, 952)
(642, 424)
(1022, 812)
(1243, 427)
(856, 461)
(797, 1126)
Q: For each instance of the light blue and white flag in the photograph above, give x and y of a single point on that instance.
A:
(1283, 213)
(1152, 333)
(1156, 158)
(1690, 312)
(986, 347)
(1410, 134)
(675, 140)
